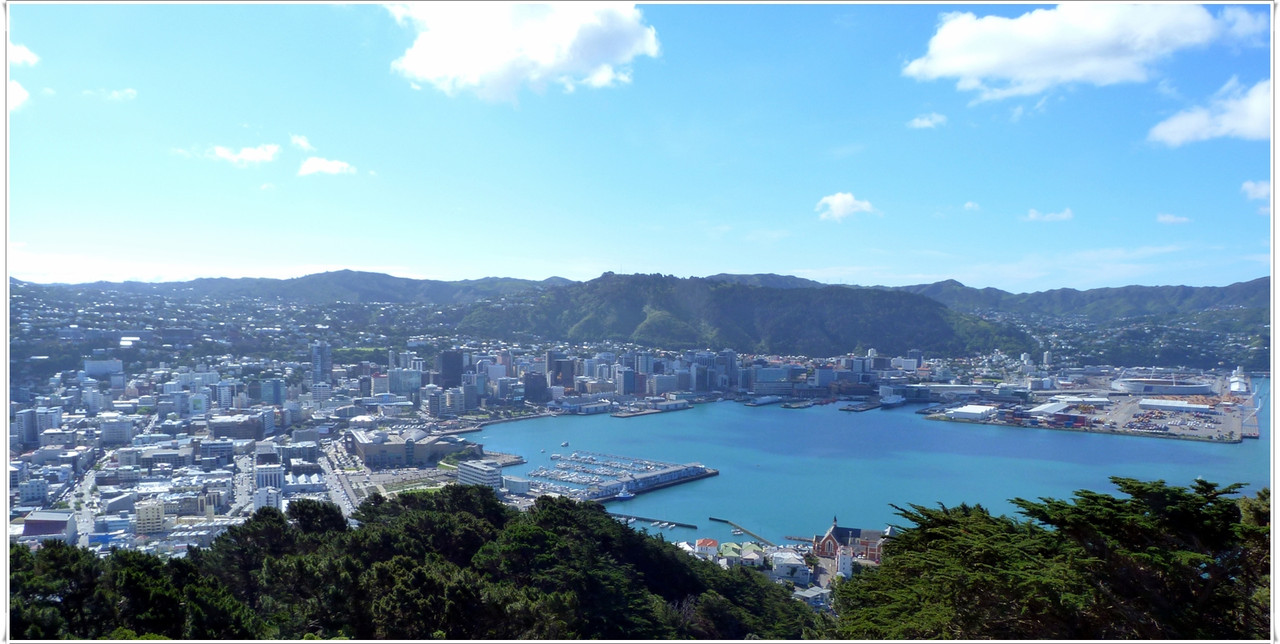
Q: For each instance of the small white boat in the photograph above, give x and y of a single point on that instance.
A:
(564, 444)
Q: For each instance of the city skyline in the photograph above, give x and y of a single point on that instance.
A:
(1004, 146)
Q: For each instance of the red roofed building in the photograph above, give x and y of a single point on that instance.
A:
(706, 547)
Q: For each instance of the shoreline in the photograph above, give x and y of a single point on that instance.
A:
(1090, 430)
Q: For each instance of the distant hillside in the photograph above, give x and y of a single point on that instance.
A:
(1101, 303)
(687, 313)
(345, 286)
(767, 279)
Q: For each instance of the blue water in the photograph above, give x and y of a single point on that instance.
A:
(790, 471)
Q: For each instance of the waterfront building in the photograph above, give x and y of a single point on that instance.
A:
(400, 448)
(486, 472)
(972, 412)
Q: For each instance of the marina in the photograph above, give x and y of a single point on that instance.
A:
(600, 476)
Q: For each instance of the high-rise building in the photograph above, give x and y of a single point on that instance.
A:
(450, 365)
(563, 373)
(274, 391)
(24, 426)
(150, 516)
(321, 362)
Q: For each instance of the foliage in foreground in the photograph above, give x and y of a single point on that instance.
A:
(1161, 562)
(456, 564)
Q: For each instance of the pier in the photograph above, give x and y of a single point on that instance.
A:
(652, 520)
(744, 530)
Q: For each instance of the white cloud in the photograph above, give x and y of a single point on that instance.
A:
(1256, 189)
(1036, 215)
(930, 120)
(20, 55)
(1232, 112)
(301, 142)
(17, 95)
(267, 186)
(1259, 190)
(971, 205)
(1172, 219)
(1096, 43)
(1015, 114)
(48, 91)
(495, 48)
(260, 154)
(840, 205)
(324, 166)
(1243, 24)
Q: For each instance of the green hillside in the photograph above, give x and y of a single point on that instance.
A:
(688, 313)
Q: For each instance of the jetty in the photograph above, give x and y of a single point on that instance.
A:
(753, 535)
(652, 520)
(863, 406)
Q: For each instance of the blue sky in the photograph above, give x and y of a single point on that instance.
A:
(1019, 147)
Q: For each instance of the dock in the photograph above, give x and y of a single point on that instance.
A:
(744, 530)
(863, 406)
(652, 520)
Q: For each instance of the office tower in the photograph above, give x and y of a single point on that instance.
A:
(321, 362)
(450, 365)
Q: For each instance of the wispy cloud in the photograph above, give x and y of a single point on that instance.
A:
(930, 120)
(1259, 190)
(1232, 112)
(840, 205)
(301, 142)
(972, 205)
(261, 154)
(1095, 43)
(1035, 215)
(1256, 189)
(493, 49)
(316, 165)
(1172, 219)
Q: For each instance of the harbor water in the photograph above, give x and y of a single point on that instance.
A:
(788, 472)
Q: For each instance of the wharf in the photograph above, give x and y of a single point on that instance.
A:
(753, 535)
(633, 414)
(652, 520)
(863, 406)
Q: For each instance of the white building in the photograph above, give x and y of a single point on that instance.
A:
(267, 497)
(480, 473)
(33, 491)
(971, 412)
(269, 476)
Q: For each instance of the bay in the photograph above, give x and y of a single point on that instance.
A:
(789, 472)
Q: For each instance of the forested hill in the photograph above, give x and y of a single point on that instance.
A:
(690, 313)
(1158, 562)
(1101, 304)
(453, 564)
(335, 286)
